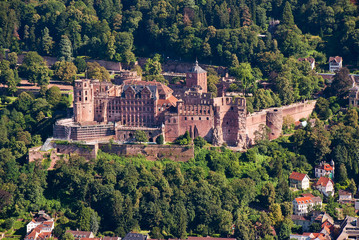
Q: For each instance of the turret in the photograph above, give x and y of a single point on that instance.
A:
(274, 121)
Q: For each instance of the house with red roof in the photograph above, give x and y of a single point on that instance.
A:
(335, 63)
(40, 227)
(303, 205)
(325, 170)
(299, 180)
(325, 185)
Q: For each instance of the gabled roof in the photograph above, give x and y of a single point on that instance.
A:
(335, 59)
(135, 236)
(83, 234)
(327, 167)
(308, 59)
(297, 176)
(343, 192)
(303, 200)
(324, 181)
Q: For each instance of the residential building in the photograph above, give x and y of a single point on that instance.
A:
(299, 180)
(325, 170)
(135, 236)
(310, 60)
(38, 219)
(40, 227)
(81, 234)
(349, 228)
(335, 63)
(345, 196)
(303, 205)
(356, 204)
(303, 221)
(309, 236)
(325, 185)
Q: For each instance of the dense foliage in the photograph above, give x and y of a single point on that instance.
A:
(212, 30)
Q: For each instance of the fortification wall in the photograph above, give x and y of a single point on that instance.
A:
(297, 111)
(86, 151)
(151, 152)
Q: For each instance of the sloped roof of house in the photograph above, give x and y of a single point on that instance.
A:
(83, 234)
(325, 166)
(343, 192)
(308, 59)
(297, 176)
(324, 181)
(303, 200)
(335, 59)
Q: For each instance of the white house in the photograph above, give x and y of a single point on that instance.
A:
(299, 180)
(325, 170)
(325, 185)
(335, 63)
(310, 60)
(303, 205)
(345, 196)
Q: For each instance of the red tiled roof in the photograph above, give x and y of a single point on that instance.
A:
(307, 195)
(297, 176)
(308, 59)
(323, 181)
(327, 167)
(342, 192)
(303, 200)
(336, 59)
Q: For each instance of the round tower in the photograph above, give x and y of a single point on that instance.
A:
(83, 101)
(274, 121)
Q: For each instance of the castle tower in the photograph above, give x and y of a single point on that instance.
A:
(274, 120)
(83, 101)
(197, 77)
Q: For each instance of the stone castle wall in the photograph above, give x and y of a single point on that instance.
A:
(272, 119)
(151, 152)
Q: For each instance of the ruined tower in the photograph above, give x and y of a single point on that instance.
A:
(197, 77)
(83, 101)
(274, 120)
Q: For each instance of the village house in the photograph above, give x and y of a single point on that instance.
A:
(309, 236)
(325, 185)
(310, 60)
(40, 227)
(299, 180)
(345, 196)
(303, 221)
(325, 170)
(335, 63)
(349, 228)
(81, 234)
(303, 205)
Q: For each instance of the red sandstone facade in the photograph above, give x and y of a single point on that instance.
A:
(103, 110)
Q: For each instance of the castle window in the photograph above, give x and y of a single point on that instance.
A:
(231, 108)
(85, 98)
(192, 118)
(169, 120)
(185, 118)
(227, 122)
(85, 85)
(79, 99)
(207, 118)
(85, 92)
(229, 130)
(200, 118)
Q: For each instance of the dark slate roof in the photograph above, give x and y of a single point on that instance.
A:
(197, 69)
(135, 236)
(139, 88)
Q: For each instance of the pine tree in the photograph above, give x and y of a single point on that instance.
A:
(287, 18)
(46, 42)
(65, 49)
